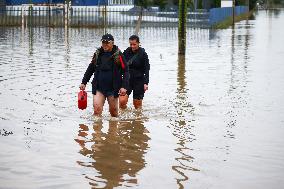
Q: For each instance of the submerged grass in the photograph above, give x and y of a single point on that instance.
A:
(228, 22)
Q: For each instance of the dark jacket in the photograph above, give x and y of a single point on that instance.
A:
(120, 72)
(139, 67)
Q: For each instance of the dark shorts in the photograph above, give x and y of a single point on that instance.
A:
(105, 93)
(137, 86)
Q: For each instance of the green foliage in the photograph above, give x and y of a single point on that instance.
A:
(143, 3)
(190, 4)
(216, 3)
(252, 4)
(240, 2)
(175, 2)
(160, 3)
(199, 5)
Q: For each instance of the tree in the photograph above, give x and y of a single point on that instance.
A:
(216, 3)
(199, 5)
(252, 4)
(160, 3)
(240, 2)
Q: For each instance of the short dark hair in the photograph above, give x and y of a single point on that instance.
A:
(134, 37)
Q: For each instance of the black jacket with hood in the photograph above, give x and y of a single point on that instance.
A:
(119, 71)
(138, 67)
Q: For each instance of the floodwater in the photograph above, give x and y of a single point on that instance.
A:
(211, 119)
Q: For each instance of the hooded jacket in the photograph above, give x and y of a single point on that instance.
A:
(119, 71)
(138, 67)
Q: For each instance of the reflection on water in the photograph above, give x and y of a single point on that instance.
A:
(181, 127)
(213, 115)
(237, 93)
(67, 46)
(117, 155)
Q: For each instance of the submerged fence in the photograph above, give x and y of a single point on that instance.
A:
(107, 16)
(220, 14)
(76, 16)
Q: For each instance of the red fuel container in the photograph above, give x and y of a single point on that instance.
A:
(82, 100)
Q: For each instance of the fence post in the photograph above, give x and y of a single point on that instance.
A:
(23, 16)
(105, 17)
(65, 14)
(38, 16)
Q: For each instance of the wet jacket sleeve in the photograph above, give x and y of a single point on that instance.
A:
(89, 72)
(125, 74)
(146, 68)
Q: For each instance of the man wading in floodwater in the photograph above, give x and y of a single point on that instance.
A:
(138, 62)
(110, 76)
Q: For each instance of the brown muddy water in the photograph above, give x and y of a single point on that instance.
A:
(212, 120)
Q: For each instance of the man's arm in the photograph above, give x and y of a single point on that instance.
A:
(90, 70)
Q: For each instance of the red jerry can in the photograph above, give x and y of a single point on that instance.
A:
(82, 100)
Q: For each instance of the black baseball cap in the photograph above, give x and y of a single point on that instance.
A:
(107, 37)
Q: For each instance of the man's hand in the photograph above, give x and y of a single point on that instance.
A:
(145, 87)
(82, 87)
(122, 92)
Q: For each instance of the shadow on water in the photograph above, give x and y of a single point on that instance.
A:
(117, 155)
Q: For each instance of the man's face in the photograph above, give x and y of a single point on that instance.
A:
(134, 45)
(107, 45)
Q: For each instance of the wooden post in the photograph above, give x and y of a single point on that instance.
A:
(234, 2)
(49, 11)
(182, 26)
(138, 25)
(105, 18)
(66, 14)
(23, 15)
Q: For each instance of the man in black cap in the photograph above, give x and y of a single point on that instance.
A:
(138, 62)
(110, 76)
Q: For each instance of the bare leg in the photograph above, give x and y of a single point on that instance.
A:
(113, 106)
(123, 101)
(98, 102)
(137, 103)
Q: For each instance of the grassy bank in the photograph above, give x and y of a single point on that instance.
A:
(228, 22)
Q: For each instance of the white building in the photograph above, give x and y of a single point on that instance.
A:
(226, 3)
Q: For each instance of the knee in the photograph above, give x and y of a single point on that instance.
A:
(123, 102)
(98, 110)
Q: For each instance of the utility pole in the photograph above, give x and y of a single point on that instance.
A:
(182, 26)
(234, 3)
